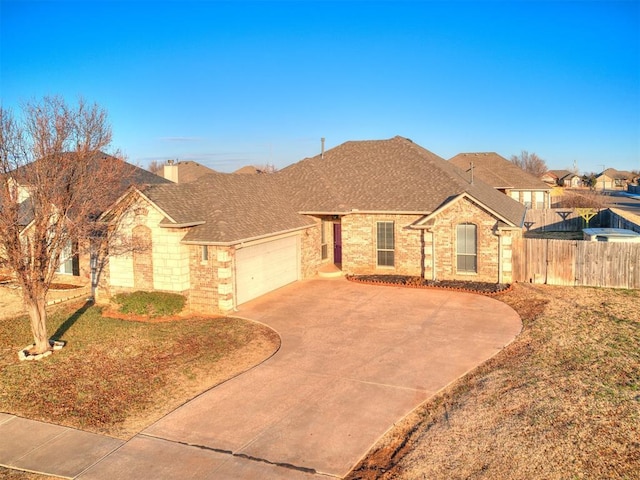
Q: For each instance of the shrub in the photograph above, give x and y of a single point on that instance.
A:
(153, 304)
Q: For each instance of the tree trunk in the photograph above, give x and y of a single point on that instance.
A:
(38, 316)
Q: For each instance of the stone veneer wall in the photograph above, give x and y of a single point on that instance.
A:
(445, 228)
(310, 250)
(413, 247)
(170, 257)
(211, 280)
(359, 254)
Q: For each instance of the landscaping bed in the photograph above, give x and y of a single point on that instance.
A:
(484, 288)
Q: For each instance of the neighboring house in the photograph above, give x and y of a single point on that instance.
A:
(562, 178)
(506, 177)
(369, 207)
(185, 171)
(612, 179)
(71, 262)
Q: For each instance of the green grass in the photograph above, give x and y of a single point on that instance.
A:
(153, 304)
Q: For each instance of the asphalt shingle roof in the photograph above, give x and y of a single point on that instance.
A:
(393, 175)
(386, 175)
(497, 171)
(229, 207)
(190, 171)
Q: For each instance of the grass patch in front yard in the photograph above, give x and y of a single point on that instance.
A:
(562, 401)
(153, 304)
(116, 376)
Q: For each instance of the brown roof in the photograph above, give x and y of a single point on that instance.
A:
(617, 174)
(393, 175)
(248, 170)
(190, 171)
(227, 208)
(497, 171)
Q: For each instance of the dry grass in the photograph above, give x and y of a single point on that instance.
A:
(561, 402)
(10, 474)
(116, 376)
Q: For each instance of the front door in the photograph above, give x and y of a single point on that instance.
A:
(337, 243)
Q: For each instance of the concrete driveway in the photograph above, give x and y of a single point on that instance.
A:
(354, 360)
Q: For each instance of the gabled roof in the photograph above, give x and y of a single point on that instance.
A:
(188, 171)
(617, 174)
(247, 170)
(394, 175)
(497, 171)
(227, 208)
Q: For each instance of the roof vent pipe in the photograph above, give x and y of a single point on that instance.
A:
(471, 173)
(322, 148)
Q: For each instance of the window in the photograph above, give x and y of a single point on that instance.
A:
(466, 248)
(323, 240)
(385, 244)
(204, 254)
(66, 259)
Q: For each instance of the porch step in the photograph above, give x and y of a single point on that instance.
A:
(330, 270)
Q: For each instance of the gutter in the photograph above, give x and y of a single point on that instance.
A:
(241, 242)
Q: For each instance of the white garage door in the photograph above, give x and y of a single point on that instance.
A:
(265, 267)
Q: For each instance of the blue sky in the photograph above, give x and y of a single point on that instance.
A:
(234, 83)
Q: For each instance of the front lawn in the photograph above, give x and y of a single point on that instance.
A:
(117, 376)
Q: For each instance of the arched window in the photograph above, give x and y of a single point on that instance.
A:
(466, 248)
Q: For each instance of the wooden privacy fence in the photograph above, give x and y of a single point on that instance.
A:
(576, 263)
(560, 220)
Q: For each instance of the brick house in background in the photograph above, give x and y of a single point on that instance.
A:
(562, 178)
(369, 207)
(506, 177)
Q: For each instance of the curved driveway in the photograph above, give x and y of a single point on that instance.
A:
(354, 360)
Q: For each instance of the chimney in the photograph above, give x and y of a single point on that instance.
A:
(170, 171)
(322, 148)
(471, 163)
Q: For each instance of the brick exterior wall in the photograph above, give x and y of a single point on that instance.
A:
(210, 284)
(487, 244)
(359, 245)
(414, 247)
(210, 292)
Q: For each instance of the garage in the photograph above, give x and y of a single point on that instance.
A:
(266, 266)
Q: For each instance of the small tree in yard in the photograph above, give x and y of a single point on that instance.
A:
(54, 182)
(531, 163)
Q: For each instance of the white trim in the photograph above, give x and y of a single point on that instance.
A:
(250, 240)
(463, 195)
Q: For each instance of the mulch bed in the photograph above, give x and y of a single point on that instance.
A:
(63, 286)
(483, 288)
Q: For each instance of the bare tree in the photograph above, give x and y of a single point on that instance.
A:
(156, 167)
(267, 168)
(55, 181)
(531, 163)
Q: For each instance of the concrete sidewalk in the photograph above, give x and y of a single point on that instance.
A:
(50, 449)
(354, 360)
